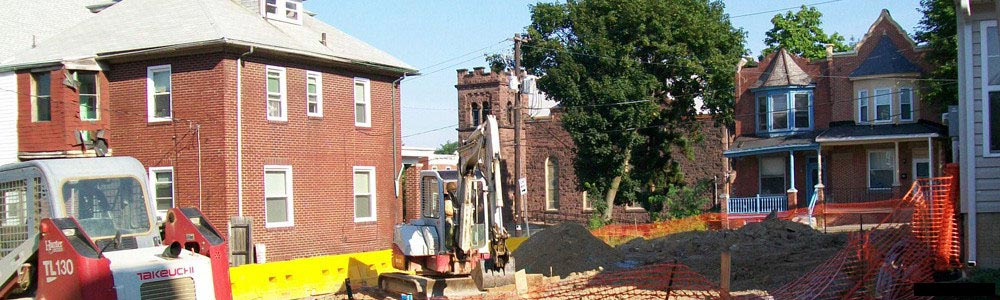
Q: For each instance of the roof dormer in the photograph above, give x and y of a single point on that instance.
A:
(283, 10)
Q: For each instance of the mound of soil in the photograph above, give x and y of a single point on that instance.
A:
(765, 255)
(565, 248)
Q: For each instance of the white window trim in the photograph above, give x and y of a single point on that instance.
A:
(280, 13)
(913, 109)
(152, 188)
(868, 168)
(284, 93)
(760, 172)
(867, 107)
(291, 192)
(586, 205)
(874, 104)
(97, 97)
(986, 87)
(151, 93)
(372, 187)
(319, 93)
(367, 101)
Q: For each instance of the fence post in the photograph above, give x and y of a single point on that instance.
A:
(757, 202)
(670, 283)
(725, 275)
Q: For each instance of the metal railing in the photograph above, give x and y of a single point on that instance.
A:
(760, 204)
(860, 195)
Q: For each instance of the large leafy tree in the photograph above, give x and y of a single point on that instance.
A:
(800, 33)
(627, 74)
(938, 31)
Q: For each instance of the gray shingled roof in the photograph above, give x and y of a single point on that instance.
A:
(24, 22)
(752, 145)
(783, 71)
(885, 59)
(148, 24)
(854, 132)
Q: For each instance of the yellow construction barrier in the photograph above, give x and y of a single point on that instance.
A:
(306, 277)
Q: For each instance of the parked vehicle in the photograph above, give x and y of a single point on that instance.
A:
(85, 228)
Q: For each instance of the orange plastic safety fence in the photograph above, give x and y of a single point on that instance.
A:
(912, 237)
(915, 238)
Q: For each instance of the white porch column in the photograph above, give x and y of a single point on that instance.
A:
(895, 166)
(791, 166)
(930, 158)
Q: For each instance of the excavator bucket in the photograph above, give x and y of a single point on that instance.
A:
(487, 277)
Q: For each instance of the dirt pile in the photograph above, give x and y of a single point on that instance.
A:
(565, 248)
(765, 255)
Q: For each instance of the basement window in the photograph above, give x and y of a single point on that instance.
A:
(284, 10)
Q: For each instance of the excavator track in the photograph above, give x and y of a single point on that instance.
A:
(427, 287)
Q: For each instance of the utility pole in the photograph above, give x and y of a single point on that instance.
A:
(523, 214)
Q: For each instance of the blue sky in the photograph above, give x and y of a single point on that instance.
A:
(439, 37)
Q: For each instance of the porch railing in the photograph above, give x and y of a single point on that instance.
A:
(760, 204)
(861, 195)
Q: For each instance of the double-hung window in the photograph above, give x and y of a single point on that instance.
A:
(762, 115)
(362, 102)
(41, 97)
(883, 105)
(991, 88)
(162, 184)
(278, 196)
(880, 169)
(772, 175)
(314, 94)
(801, 110)
(906, 104)
(364, 194)
(779, 112)
(89, 102)
(158, 93)
(863, 106)
(277, 95)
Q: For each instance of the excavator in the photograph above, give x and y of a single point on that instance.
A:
(458, 245)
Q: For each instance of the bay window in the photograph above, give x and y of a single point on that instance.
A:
(784, 111)
(906, 104)
(863, 106)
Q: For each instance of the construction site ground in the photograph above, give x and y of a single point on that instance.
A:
(765, 255)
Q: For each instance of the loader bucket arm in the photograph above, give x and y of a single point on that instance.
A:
(189, 228)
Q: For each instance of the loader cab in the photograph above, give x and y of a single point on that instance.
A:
(434, 192)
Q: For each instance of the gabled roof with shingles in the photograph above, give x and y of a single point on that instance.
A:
(783, 71)
(134, 25)
(885, 58)
(27, 23)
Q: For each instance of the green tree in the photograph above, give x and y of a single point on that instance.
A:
(448, 147)
(938, 31)
(627, 74)
(800, 34)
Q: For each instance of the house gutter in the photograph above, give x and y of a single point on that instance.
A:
(878, 137)
(396, 171)
(239, 131)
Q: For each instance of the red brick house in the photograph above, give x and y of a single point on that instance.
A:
(254, 111)
(854, 117)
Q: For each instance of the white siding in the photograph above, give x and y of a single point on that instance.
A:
(8, 117)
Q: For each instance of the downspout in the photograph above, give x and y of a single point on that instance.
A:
(239, 131)
(395, 163)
